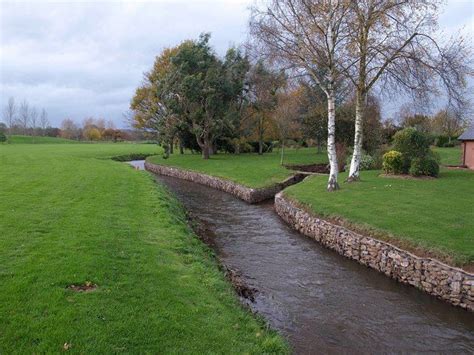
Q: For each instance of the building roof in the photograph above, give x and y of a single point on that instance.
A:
(468, 134)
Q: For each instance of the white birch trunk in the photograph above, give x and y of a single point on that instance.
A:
(354, 172)
(332, 156)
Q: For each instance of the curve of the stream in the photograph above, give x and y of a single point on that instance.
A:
(319, 300)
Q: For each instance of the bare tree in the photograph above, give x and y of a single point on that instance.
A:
(285, 117)
(69, 129)
(44, 122)
(392, 45)
(449, 123)
(9, 114)
(309, 36)
(33, 120)
(24, 116)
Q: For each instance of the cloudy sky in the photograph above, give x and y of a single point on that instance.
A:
(79, 59)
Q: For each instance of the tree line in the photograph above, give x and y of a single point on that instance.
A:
(313, 70)
(25, 119)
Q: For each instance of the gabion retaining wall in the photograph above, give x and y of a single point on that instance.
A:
(245, 193)
(432, 276)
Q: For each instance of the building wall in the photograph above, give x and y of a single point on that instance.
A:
(468, 154)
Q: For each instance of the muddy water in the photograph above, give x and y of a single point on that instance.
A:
(322, 302)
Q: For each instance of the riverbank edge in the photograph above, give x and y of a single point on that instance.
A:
(247, 194)
(445, 282)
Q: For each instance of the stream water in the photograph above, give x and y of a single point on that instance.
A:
(322, 302)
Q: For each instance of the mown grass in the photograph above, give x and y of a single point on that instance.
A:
(18, 139)
(435, 215)
(69, 215)
(449, 156)
(251, 170)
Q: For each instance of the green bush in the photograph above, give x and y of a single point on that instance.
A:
(440, 141)
(3, 137)
(426, 166)
(412, 144)
(393, 162)
(378, 156)
(366, 162)
(245, 148)
(443, 141)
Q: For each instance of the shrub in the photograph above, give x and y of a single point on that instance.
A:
(393, 162)
(427, 166)
(3, 137)
(245, 148)
(378, 156)
(267, 146)
(412, 144)
(366, 162)
(440, 141)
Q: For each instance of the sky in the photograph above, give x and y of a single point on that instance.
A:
(80, 59)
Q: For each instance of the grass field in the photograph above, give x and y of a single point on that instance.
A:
(69, 215)
(251, 170)
(435, 215)
(449, 156)
(38, 140)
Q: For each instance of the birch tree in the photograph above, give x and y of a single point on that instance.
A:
(309, 36)
(392, 45)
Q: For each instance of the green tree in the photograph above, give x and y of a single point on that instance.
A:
(3, 137)
(264, 84)
(204, 90)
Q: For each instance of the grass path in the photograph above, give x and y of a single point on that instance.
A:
(250, 170)
(67, 216)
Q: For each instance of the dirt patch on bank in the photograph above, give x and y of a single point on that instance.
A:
(85, 287)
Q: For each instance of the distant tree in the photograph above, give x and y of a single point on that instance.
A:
(52, 132)
(69, 129)
(264, 84)
(286, 117)
(9, 114)
(314, 114)
(43, 122)
(33, 120)
(91, 133)
(24, 116)
(449, 123)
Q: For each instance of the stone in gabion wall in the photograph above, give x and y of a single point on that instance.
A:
(432, 276)
(245, 193)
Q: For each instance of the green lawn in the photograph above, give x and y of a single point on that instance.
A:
(251, 170)
(449, 156)
(68, 215)
(436, 214)
(18, 139)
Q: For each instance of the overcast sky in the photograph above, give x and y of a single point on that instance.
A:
(79, 59)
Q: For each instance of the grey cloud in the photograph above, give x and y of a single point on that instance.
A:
(85, 59)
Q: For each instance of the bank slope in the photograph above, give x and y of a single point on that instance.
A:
(430, 216)
(249, 170)
(68, 217)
